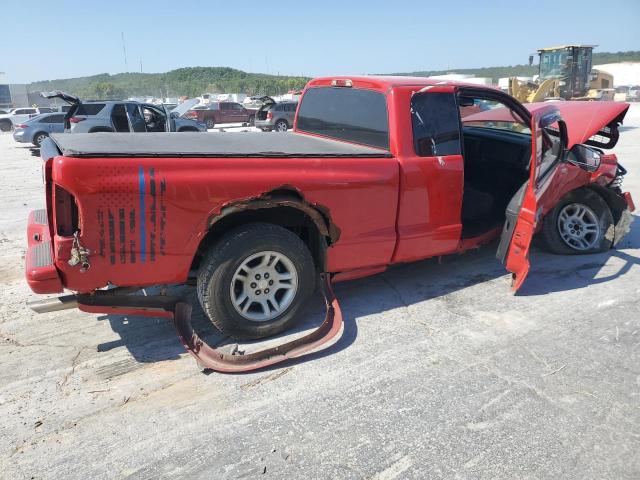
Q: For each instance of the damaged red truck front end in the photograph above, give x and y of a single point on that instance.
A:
(379, 171)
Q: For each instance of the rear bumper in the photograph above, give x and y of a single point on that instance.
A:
(263, 124)
(40, 270)
(19, 136)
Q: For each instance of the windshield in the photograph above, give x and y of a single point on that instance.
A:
(553, 64)
(491, 114)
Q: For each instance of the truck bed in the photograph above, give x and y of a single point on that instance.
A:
(196, 144)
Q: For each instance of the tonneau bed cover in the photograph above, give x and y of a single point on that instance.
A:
(197, 144)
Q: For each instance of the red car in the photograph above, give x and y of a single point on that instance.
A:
(379, 171)
(222, 112)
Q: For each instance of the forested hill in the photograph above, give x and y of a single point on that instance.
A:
(193, 81)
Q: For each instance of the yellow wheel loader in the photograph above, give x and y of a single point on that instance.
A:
(564, 73)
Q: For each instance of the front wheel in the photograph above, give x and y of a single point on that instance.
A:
(210, 123)
(256, 280)
(580, 223)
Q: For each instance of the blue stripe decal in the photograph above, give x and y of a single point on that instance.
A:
(143, 236)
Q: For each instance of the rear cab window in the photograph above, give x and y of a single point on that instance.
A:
(345, 113)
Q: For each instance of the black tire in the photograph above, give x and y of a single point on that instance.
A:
(210, 123)
(221, 262)
(551, 238)
(281, 126)
(38, 138)
(5, 125)
(252, 120)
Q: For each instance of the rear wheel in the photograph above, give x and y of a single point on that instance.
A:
(5, 125)
(281, 126)
(39, 138)
(256, 280)
(252, 120)
(580, 223)
(210, 123)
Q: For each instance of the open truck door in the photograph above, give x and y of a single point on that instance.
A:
(523, 211)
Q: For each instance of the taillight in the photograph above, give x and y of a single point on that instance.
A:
(66, 212)
(191, 115)
(20, 125)
(77, 119)
(269, 115)
(341, 82)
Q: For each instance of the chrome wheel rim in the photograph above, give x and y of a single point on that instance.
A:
(264, 286)
(210, 124)
(281, 127)
(578, 226)
(40, 139)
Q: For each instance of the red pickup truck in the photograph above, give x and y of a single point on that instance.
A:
(379, 171)
(222, 112)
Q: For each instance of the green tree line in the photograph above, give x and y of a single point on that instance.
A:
(191, 82)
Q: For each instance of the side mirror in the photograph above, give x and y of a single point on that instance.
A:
(564, 136)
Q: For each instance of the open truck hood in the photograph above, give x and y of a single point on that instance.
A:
(589, 119)
(584, 120)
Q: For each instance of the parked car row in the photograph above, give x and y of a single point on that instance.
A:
(33, 125)
(270, 116)
(13, 116)
(36, 124)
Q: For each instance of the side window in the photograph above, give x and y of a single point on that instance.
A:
(436, 126)
(224, 106)
(52, 119)
(236, 106)
(46, 110)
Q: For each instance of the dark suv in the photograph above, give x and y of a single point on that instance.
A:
(276, 116)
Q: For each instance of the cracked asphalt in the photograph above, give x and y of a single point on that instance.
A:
(440, 373)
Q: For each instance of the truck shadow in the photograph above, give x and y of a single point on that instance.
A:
(154, 339)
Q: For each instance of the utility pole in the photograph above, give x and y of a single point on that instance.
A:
(140, 66)
(124, 50)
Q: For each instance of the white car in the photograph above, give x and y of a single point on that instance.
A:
(20, 115)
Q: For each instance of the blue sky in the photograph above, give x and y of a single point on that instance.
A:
(69, 38)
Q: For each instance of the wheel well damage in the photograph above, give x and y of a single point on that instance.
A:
(285, 206)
